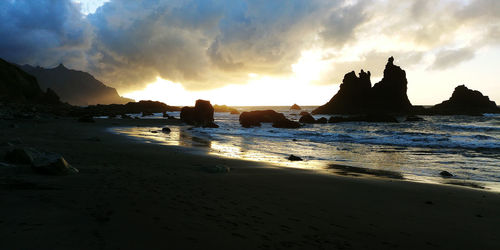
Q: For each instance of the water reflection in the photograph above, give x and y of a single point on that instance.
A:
(416, 164)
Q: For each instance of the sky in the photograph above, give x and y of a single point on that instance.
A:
(258, 52)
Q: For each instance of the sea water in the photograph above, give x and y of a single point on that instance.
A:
(466, 146)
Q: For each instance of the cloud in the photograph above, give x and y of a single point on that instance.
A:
(42, 32)
(451, 57)
(205, 44)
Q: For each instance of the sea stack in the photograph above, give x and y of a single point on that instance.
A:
(357, 96)
(295, 107)
(465, 101)
(202, 114)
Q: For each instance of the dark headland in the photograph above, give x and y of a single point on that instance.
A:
(132, 195)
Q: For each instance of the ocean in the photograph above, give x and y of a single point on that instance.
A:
(468, 147)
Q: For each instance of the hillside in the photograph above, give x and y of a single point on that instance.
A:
(75, 87)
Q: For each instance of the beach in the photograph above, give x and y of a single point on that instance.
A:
(135, 195)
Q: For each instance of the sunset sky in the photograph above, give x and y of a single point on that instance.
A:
(260, 52)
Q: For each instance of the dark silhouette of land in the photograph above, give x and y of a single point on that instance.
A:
(75, 87)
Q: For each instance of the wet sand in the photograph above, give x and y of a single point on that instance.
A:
(133, 195)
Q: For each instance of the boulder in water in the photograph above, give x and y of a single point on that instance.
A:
(295, 107)
(286, 124)
(307, 118)
(445, 174)
(255, 118)
(322, 120)
(202, 114)
(414, 118)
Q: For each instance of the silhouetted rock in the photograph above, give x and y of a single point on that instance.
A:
(286, 124)
(52, 164)
(414, 118)
(389, 95)
(465, 101)
(352, 97)
(145, 107)
(445, 174)
(304, 113)
(295, 107)
(365, 118)
(294, 158)
(322, 120)
(75, 87)
(254, 118)
(202, 114)
(225, 109)
(20, 156)
(356, 96)
(165, 130)
(147, 114)
(307, 119)
(41, 162)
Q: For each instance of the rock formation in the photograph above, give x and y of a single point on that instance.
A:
(307, 118)
(75, 87)
(295, 107)
(145, 107)
(465, 101)
(286, 124)
(17, 86)
(255, 118)
(202, 114)
(357, 96)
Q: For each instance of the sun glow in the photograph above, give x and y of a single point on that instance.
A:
(258, 91)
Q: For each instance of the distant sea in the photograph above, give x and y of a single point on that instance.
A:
(467, 147)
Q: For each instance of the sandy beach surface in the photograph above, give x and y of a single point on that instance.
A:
(133, 195)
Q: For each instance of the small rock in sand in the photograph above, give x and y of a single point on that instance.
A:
(165, 130)
(20, 156)
(52, 164)
(445, 174)
(43, 163)
(294, 158)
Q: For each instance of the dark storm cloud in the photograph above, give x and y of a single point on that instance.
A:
(44, 32)
(210, 43)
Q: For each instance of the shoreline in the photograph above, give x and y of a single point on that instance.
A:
(131, 195)
(320, 167)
